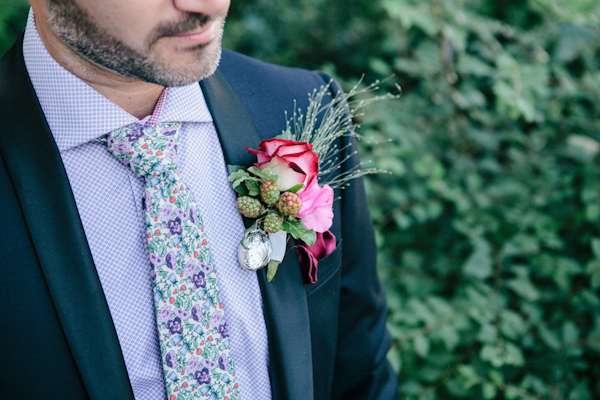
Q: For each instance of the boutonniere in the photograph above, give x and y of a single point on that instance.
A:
(285, 193)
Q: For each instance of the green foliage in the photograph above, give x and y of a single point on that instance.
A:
(488, 228)
(13, 15)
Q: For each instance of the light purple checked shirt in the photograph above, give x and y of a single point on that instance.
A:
(109, 199)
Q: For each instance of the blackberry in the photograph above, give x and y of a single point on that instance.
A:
(289, 204)
(272, 223)
(249, 206)
(269, 193)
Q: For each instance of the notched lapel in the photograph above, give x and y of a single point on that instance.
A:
(36, 171)
(284, 299)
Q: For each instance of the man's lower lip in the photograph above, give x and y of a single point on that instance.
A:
(203, 36)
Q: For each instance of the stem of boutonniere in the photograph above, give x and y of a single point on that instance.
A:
(278, 243)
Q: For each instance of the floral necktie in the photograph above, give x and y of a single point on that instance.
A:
(193, 335)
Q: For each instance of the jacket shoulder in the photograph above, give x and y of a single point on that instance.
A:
(268, 90)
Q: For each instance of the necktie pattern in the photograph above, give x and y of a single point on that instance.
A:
(193, 335)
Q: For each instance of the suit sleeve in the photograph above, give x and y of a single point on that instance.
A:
(361, 368)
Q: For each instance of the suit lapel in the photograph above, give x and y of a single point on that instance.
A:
(284, 299)
(38, 176)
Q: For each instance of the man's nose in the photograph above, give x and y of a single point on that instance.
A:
(207, 7)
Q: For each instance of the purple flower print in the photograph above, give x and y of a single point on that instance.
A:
(135, 135)
(164, 314)
(199, 281)
(156, 259)
(165, 213)
(147, 201)
(171, 155)
(171, 359)
(122, 147)
(170, 143)
(193, 215)
(197, 313)
(205, 268)
(171, 260)
(170, 131)
(224, 331)
(183, 314)
(210, 364)
(110, 141)
(216, 319)
(181, 213)
(153, 274)
(202, 376)
(192, 365)
(190, 268)
(223, 362)
(174, 326)
(175, 227)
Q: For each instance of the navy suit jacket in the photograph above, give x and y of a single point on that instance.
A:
(57, 339)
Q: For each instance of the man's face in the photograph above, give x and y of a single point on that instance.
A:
(166, 42)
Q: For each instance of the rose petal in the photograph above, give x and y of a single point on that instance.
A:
(309, 265)
(324, 245)
(261, 156)
(286, 176)
(317, 207)
(307, 162)
(270, 146)
(297, 148)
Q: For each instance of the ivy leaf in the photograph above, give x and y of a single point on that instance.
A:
(234, 168)
(297, 229)
(238, 177)
(295, 188)
(253, 188)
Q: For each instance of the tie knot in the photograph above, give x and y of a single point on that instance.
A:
(147, 150)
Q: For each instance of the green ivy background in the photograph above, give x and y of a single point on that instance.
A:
(488, 229)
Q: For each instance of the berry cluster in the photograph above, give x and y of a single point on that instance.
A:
(274, 205)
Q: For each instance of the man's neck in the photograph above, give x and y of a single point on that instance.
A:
(135, 97)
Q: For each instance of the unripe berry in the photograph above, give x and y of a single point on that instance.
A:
(289, 204)
(269, 193)
(272, 223)
(249, 206)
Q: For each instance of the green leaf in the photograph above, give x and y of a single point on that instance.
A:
(234, 168)
(272, 269)
(264, 174)
(295, 189)
(253, 187)
(489, 391)
(297, 229)
(479, 263)
(421, 346)
(596, 247)
(237, 178)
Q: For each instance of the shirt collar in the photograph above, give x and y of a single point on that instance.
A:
(76, 113)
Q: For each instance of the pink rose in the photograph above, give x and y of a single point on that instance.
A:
(293, 162)
(317, 207)
(309, 256)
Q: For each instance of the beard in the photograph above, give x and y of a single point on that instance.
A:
(76, 28)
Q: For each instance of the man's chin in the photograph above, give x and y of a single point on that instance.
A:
(194, 70)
